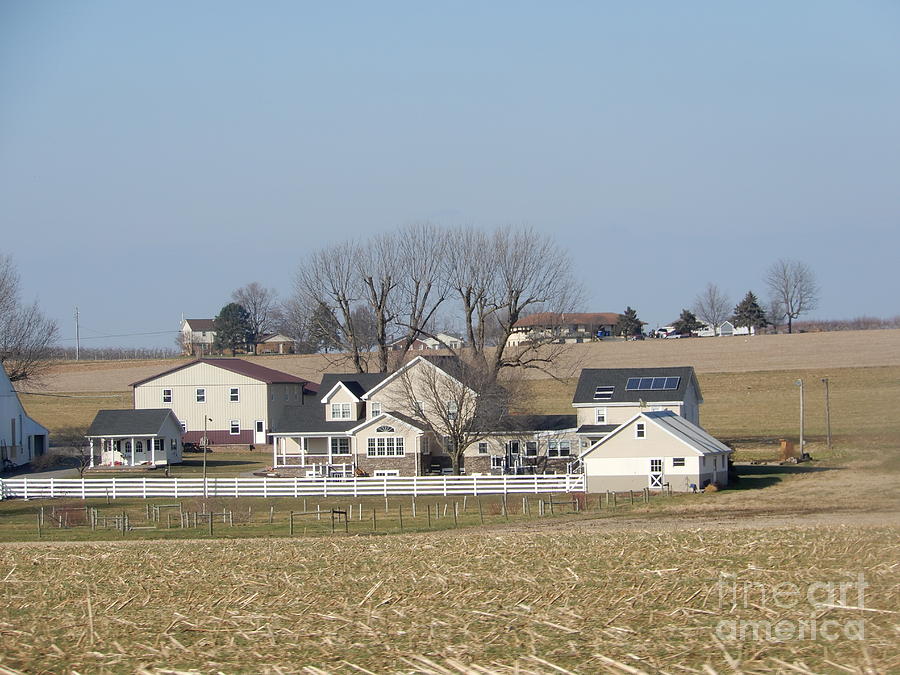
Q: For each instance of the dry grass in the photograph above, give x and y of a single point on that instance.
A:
(447, 603)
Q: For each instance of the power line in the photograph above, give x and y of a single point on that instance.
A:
(102, 337)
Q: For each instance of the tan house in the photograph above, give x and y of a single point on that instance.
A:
(607, 397)
(526, 444)
(656, 450)
(563, 327)
(275, 343)
(230, 401)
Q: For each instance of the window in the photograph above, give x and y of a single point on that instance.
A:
(340, 446)
(340, 411)
(173, 445)
(559, 448)
(482, 448)
(158, 444)
(389, 446)
(167, 395)
(513, 447)
(678, 461)
(640, 430)
(385, 429)
(201, 395)
(381, 473)
(235, 427)
(234, 395)
(603, 393)
(601, 416)
(655, 466)
(496, 462)
(531, 448)
(375, 408)
(139, 446)
(452, 410)
(183, 427)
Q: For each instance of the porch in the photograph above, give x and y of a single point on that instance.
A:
(313, 454)
(128, 451)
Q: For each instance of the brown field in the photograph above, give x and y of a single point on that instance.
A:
(844, 349)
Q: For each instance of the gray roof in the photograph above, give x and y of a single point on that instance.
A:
(310, 417)
(683, 430)
(591, 378)
(147, 422)
(594, 429)
(514, 423)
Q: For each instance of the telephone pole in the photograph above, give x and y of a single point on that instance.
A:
(77, 336)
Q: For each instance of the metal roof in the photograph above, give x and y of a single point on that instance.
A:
(239, 366)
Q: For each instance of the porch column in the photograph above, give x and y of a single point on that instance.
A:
(328, 441)
(152, 442)
(132, 451)
(274, 451)
(92, 452)
(303, 449)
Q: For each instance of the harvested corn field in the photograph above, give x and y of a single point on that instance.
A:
(458, 603)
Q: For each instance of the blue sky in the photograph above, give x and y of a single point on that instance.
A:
(155, 156)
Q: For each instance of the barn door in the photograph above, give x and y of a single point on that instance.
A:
(656, 473)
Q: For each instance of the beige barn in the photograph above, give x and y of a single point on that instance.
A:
(232, 401)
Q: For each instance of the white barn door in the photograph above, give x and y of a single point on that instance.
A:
(259, 436)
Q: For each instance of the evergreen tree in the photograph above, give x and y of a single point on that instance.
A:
(233, 328)
(748, 313)
(324, 330)
(687, 322)
(628, 323)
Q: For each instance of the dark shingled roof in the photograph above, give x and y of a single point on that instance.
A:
(202, 324)
(517, 423)
(147, 422)
(254, 370)
(591, 378)
(310, 417)
(596, 428)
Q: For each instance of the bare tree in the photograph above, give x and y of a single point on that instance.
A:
(712, 306)
(458, 401)
(330, 278)
(26, 335)
(262, 307)
(793, 288)
(379, 266)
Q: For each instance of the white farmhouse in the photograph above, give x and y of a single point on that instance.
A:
(21, 438)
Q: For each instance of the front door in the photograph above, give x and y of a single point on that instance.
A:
(656, 473)
(260, 436)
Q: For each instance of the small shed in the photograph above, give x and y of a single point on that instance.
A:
(654, 450)
(150, 437)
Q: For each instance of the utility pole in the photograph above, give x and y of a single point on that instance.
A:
(77, 336)
(800, 384)
(205, 443)
(827, 413)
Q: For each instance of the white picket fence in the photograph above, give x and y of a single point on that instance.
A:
(146, 488)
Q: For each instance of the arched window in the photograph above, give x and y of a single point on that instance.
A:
(385, 429)
(138, 446)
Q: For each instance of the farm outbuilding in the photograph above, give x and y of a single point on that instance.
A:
(656, 450)
(21, 438)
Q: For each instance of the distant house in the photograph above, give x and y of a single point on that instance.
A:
(607, 397)
(231, 400)
(563, 328)
(275, 343)
(197, 336)
(656, 450)
(724, 329)
(21, 438)
(440, 341)
(135, 438)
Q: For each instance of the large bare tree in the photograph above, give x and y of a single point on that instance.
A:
(793, 288)
(262, 307)
(712, 306)
(26, 335)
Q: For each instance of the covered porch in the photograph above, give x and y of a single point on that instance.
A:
(318, 454)
(128, 450)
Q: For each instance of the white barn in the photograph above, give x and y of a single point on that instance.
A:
(21, 438)
(654, 450)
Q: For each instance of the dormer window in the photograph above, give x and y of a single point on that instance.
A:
(604, 393)
(340, 411)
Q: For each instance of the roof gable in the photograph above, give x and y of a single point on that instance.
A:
(386, 416)
(431, 360)
(201, 324)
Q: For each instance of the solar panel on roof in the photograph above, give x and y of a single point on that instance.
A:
(652, 383)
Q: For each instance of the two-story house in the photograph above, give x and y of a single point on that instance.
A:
(197, 336)
(607, 397)
(230, 401)
(562, 327)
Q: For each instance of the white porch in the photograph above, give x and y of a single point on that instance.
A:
(319, 454)
(128, 451)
